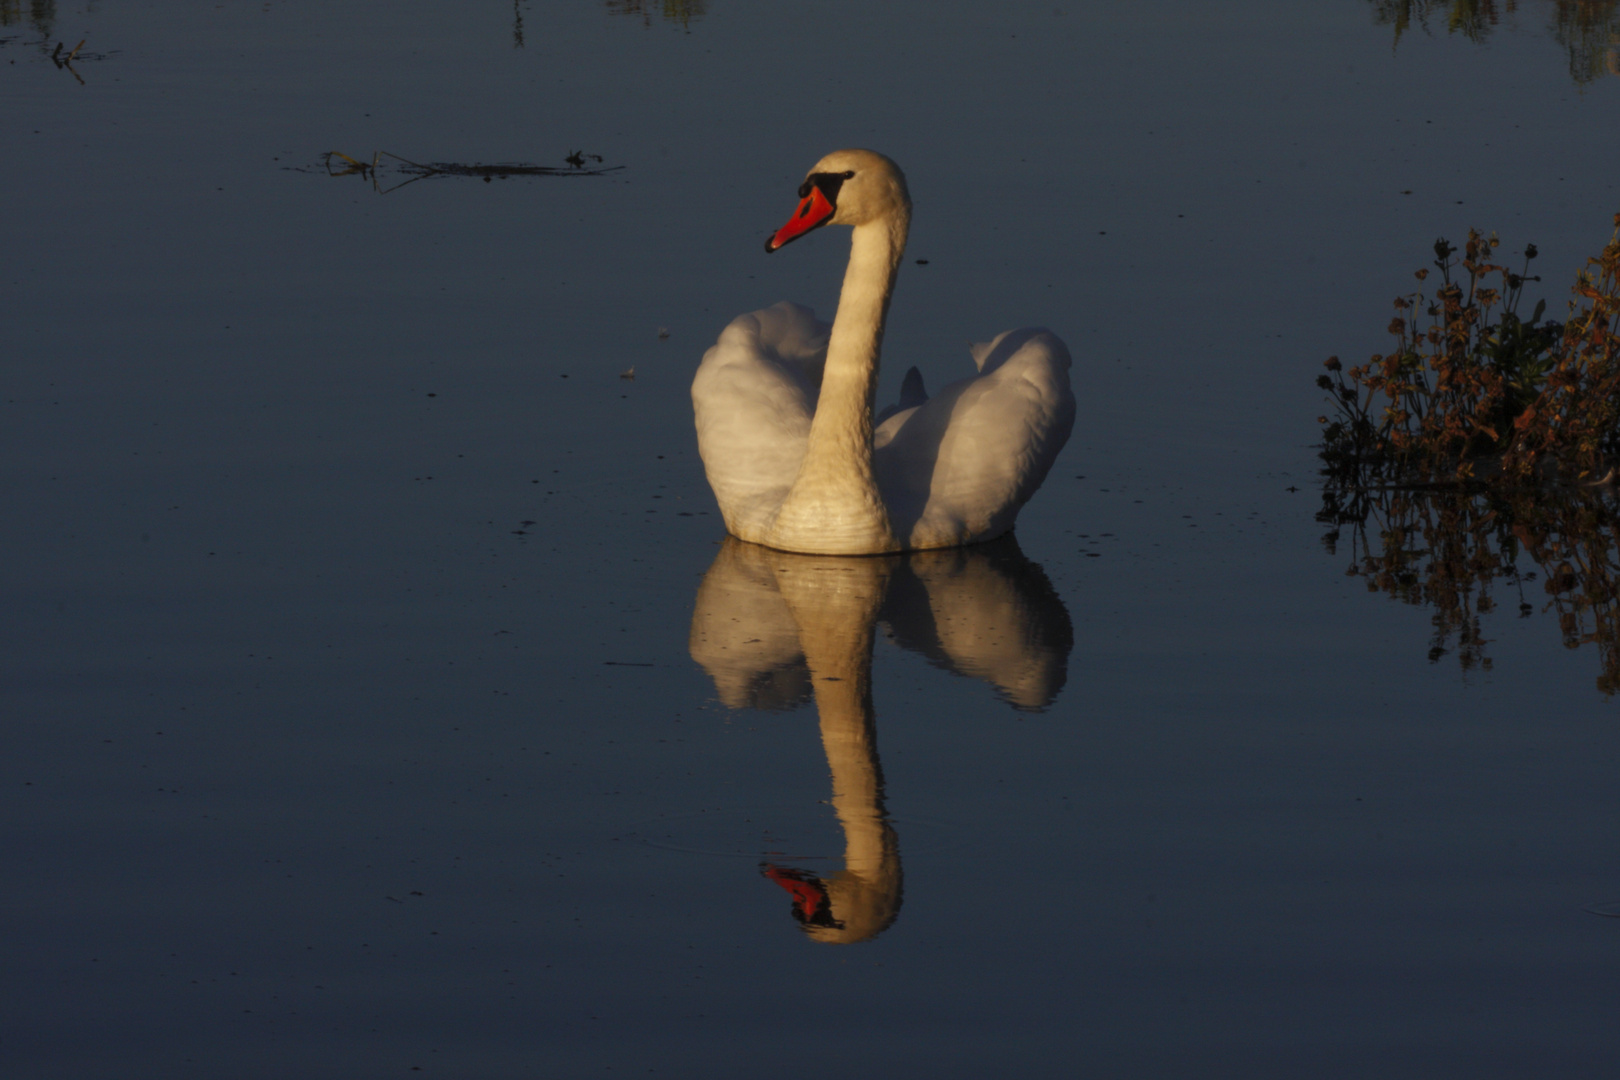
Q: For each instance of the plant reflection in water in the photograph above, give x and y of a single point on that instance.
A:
(1589, 30)
(677, 11)
(1454, 548)
(776, 630)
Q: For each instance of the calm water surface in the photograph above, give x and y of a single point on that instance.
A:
(379, 696)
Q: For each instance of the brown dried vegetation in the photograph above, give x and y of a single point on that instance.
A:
(1473, 390)
(1451, 459)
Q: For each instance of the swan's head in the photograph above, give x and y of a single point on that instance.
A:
(851, 906)
(847, 187)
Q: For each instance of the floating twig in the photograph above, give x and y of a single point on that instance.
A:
(417, 170)
(67, 61)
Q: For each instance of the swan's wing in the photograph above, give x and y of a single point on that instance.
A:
(753, 398)
(956, 469)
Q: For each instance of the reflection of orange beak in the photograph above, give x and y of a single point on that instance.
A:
(814, 209)
(809, 894)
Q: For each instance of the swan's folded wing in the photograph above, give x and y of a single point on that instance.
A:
(753, 397)
(957, 469)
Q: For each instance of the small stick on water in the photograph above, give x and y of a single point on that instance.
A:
(408, 161)
(75, 51)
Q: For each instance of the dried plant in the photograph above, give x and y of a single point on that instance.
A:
(1474, 391)
(1440, 454)
(1575, 417)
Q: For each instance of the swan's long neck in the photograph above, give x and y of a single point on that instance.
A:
(834, 507)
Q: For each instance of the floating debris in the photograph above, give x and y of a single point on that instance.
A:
(380, 173)
(64, 60)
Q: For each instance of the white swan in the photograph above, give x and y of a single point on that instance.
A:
(783, 404)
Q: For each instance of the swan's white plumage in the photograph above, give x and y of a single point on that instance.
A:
(957, 469)
(952, 470)
(753, 397)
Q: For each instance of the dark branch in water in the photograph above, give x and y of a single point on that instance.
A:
(416, 170)
(66, 62)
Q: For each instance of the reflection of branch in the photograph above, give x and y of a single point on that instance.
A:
(1446, 547)
(1589, 30)
(681, 11)
(67, 61)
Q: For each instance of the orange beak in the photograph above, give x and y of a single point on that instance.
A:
(814, 209)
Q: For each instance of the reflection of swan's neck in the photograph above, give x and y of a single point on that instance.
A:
(850, 739)
(841, 672)
(835, 602)
(834, 506)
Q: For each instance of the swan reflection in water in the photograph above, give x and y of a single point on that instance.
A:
(775, 630)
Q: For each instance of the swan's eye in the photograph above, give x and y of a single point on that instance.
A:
(828, 182)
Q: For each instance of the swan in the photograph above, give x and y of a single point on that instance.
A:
(783, 404)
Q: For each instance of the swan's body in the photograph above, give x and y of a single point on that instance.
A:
(784, 404)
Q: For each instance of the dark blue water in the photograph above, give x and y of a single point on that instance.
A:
(356, 716)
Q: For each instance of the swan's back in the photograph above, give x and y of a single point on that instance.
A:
(957, 469)
(753, 398)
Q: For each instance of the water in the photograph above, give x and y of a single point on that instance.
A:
(356, 721)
